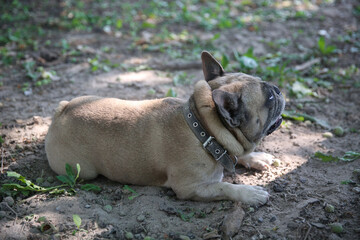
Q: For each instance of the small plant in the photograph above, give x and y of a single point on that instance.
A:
(77, 221)
(26, 186)
(129, 189)
(104, 65)
(347, 157)
(186, 217)
(70, 178)
(301, 117)
(224, 61)
(323, 48)
(38, 75)
(247, 61)
(46, 226)
(181, 79)
(171, 93)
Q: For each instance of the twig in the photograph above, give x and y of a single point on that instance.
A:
(308, 231)
(2, 160)
(7, 205)
(307, 64)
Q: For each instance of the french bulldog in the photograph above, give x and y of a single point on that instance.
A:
(152, 142)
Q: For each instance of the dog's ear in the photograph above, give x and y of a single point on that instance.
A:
(230, 107)
(211, 68)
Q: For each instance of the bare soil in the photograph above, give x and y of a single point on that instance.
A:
(300, 187)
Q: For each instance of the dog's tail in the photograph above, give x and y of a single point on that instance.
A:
(60, 109)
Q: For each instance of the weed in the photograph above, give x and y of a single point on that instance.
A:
(347, 182)
(347, 157)
(70, 178)
(46, 226)
(186, 217)
(77, 222)
(224, 61)
(181, 78)
(324, 48)
(26, 186)
(293, 115)
(247, 61)
(299, 90)
(101, 64)
(129, 189)
(171, 93)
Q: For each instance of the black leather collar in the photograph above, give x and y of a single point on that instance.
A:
(209, 142)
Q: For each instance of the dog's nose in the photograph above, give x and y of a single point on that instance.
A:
(277, 90)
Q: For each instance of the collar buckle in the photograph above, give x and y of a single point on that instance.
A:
(208, 141)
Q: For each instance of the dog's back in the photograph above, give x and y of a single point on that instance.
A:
(113, 137)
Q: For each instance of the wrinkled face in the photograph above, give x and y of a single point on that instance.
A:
(247, 103)
(243, 102)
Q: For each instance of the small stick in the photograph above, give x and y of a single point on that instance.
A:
(7, 205)
(2, 160)
(307, 232)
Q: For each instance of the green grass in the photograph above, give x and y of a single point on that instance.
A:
(175, 29)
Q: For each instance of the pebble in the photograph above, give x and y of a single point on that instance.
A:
(276, 163)
(302, 180)
(9, 200)
(58, 208)
(56, 236)
(2, 214)
(328, 135)
(251, 209)
(37, 120)
(260, 219)
(278, 188)
(50, 179)
(129, 235)
(310, 110)
(329, 208)
(308, 123)
(148, 238)
(107, 208)
(293, 136)
(356, 189)
(39, 180)
(292, 225)
(87, 206)
(122, 213)
(140, 218)
(273, 219)
(183, 237)
(117, 194)
(338, 131)
(336, 228)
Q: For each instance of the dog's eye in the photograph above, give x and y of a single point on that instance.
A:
(271, 97)
(270, 101)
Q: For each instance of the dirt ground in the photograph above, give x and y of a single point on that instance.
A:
(301, 186)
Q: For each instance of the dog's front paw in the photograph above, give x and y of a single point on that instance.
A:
(252, 195)
(257, 160)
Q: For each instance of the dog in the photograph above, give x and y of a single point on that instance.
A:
(183, 145)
